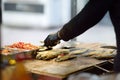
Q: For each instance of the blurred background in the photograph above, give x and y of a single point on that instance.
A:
(32, 20)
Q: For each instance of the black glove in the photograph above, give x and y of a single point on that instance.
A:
(52, 40)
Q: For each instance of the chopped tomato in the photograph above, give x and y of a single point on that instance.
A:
(22, 45)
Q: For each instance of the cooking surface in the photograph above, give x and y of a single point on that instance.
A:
(60, 69)
(63, 69)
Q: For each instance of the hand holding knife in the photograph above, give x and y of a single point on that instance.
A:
(52, 40)
(45, 48)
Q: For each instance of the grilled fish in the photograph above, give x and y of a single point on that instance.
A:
(50, 54)
(64, 58)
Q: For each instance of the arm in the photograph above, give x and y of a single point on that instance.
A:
(90, 15)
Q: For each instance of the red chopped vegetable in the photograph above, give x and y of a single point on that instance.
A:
(22, 45)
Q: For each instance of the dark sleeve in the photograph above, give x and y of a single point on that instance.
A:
(90, 15)
(115, 18)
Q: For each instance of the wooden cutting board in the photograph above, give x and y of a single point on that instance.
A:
(59, 69)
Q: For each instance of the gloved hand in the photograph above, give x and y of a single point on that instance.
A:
(52, 40)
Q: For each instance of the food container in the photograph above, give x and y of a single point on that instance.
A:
(16, 55)
(18, 51)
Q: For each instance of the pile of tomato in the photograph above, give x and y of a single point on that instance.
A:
(23, 45)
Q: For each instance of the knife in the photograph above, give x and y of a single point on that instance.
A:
(109, 47)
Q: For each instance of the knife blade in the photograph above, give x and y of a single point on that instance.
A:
(109, 47)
